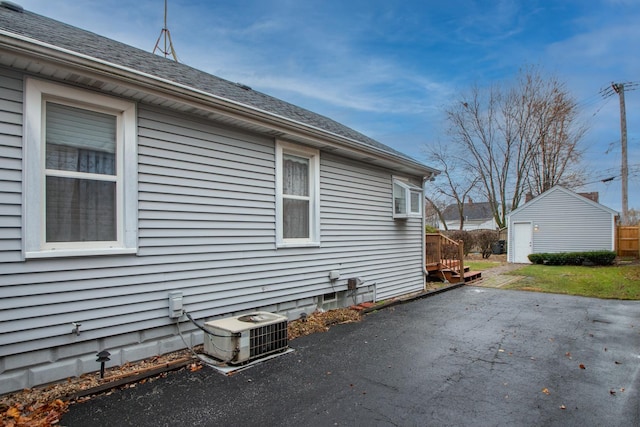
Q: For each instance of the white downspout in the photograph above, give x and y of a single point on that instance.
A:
(425, 272)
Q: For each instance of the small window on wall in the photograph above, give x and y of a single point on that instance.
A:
(298, 200)
(407, 199)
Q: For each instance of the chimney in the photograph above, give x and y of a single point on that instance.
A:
(528, 197)
(593, 196)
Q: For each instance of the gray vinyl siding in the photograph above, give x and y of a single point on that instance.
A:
(10, 167)
(206, 226)
(567, 223)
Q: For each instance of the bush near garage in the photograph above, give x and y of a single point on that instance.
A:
(484, 241)
(574, 258)
(475, 241)
(463, 235)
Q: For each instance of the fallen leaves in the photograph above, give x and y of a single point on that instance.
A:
(38, 416)
(13, 412)
(546, 391)
(613, 392)
(44, 406)
(582, 366)
(320, 322)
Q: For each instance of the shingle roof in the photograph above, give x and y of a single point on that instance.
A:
(584, 196)
(65, 36)
(472, 211)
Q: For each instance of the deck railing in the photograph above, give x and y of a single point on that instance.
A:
(444, 253)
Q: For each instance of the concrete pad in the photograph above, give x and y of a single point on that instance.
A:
(226, 369)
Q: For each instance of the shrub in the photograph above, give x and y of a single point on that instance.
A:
(465, 236)
(476, 240)
(536, 258)
(600, 257)
(430, 229)
(574, 258)
(484, 240)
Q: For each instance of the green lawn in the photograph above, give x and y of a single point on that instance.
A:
(480, 265)
(615, 282)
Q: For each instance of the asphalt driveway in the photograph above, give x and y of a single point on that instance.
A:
(470, 356)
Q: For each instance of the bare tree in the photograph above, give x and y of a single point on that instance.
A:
(633, 217)
(558, 133)
(504, 130)
(485, 125)
(434, 210)
(455, 182)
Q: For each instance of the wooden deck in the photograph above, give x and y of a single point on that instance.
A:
(446, 274)
(445, 260)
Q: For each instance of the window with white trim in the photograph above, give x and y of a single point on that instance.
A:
(407, 199)
(297, 195)
(80, 165)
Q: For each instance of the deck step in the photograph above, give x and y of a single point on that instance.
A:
(449, 275)
(472, 276)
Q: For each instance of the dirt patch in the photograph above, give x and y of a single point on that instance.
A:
(435, 285)
(44, 406)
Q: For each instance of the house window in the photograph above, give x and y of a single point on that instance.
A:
(407, 199)
(80, 172)
(298, 195)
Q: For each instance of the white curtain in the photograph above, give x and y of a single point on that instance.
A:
(295, 183)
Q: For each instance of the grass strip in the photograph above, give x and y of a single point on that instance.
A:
(612, 282)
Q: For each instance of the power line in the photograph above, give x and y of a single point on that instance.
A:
(604, 104)
(613, 88)
(606, 176)
(590, 100)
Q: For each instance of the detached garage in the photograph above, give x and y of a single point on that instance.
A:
(559, 220)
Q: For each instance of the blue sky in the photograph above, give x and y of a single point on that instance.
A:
(387, 68)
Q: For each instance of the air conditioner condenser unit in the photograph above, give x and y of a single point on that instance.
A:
(239, 339)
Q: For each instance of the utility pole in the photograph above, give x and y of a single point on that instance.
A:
(624, 170)
(168, 49)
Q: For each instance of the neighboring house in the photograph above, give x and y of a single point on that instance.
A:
(126, 176)
(559, 220)
(477, 216)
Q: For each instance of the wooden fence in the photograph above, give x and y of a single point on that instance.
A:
(628, 241)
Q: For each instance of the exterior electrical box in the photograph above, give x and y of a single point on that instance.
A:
(175, 304)
(353, 283)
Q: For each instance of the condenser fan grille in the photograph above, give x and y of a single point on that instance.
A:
(267, 339)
